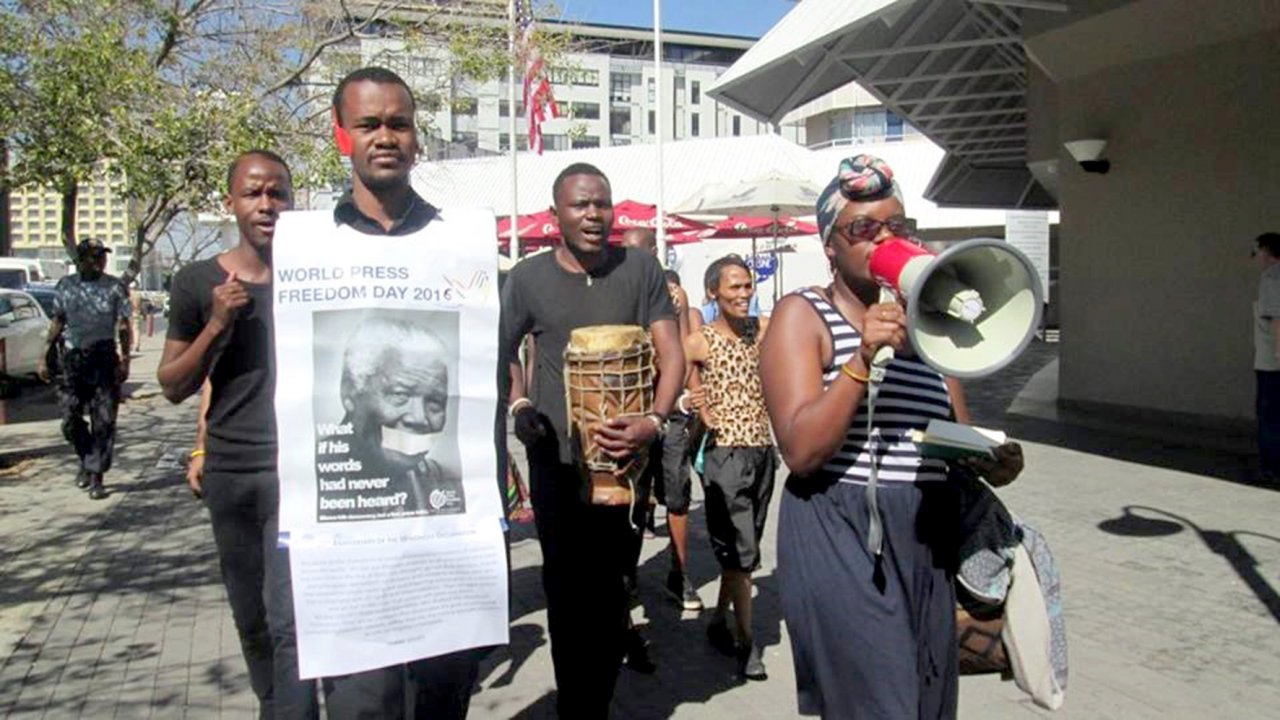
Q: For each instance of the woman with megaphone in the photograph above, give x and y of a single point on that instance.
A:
(866, 534)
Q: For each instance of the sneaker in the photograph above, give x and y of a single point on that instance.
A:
(751, 663)
(721, 638)
(96, 490)
(681, 590)
(82, 479)
(637, 657)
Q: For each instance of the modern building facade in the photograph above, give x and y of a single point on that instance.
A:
(1156, 282)
(102, 211)
(605, 87)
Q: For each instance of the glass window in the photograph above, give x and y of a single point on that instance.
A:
(694, 129)
(840, 127)
(575, 76)
(586, 141)
(621, 85)
(893, 126)
(504, 142)
(652, 96)
(695, 93)
(24, 309)
(737, 125)
(555, 142)
(620, 121)
(503, 107)
(653, 122)
(585, 110)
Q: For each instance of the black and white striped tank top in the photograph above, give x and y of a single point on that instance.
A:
(912, 394)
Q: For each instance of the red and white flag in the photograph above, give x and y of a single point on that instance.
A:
(539, 102)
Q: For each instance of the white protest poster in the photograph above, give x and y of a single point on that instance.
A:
(1028, 230)
(386, 352)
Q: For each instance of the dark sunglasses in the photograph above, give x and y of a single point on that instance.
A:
(865, 228)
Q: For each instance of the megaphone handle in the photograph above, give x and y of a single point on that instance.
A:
(883, 356)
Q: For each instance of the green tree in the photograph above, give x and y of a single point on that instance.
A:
(167, 92)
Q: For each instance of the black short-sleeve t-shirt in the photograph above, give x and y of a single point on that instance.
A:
(543, 299)
(241, 420)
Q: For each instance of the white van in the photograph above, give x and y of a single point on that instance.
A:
(16, 273)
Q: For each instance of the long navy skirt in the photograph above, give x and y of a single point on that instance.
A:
(871, 637)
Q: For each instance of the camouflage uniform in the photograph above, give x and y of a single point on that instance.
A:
(89, 384)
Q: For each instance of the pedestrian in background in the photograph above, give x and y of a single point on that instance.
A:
(138, 308)
(91, 315)
(1266, 354)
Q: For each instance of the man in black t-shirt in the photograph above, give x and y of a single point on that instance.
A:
(220, 329)
(586, 548)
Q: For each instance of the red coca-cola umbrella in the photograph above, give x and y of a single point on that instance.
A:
(535, 227)
(631, 214)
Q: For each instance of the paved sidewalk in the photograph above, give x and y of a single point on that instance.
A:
(114, 608)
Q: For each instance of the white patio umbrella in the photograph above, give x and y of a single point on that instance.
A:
(769, 195)
(772, 194)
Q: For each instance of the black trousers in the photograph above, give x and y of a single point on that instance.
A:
(89, 386)
(243, 510)
(437, 688)
(1268, 408)
(586, 552)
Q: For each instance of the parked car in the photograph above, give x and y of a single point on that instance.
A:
(18, 272)
(23, 326)
(43, 292)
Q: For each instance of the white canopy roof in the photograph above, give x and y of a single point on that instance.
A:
(954, 69)
(689, 165)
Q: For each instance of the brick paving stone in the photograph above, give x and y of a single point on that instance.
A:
(115, 609)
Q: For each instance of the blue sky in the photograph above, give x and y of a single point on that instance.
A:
(730, 17)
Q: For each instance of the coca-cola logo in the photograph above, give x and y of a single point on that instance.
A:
(667, 222)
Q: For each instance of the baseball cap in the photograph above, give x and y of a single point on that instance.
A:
(92, 246)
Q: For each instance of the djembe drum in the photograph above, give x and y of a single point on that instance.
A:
(608, 373)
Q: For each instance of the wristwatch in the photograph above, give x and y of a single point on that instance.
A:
(659, 422)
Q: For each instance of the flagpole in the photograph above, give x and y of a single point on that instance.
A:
(658, 125)
(513, 248)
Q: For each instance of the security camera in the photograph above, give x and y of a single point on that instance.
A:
(1089, 154)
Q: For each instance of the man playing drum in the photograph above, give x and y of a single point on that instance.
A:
(585, 547)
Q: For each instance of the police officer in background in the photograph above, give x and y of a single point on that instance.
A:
(91, 318)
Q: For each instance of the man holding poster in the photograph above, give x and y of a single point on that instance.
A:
(586, 549)
(388, 498)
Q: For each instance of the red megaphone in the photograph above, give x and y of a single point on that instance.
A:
(905, 266)
(971, 309)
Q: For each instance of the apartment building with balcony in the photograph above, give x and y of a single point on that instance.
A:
(605, 87)
(102, 211)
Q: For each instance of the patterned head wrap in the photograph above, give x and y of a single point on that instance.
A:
(861, 178)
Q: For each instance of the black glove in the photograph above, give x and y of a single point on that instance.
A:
(528, 426)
